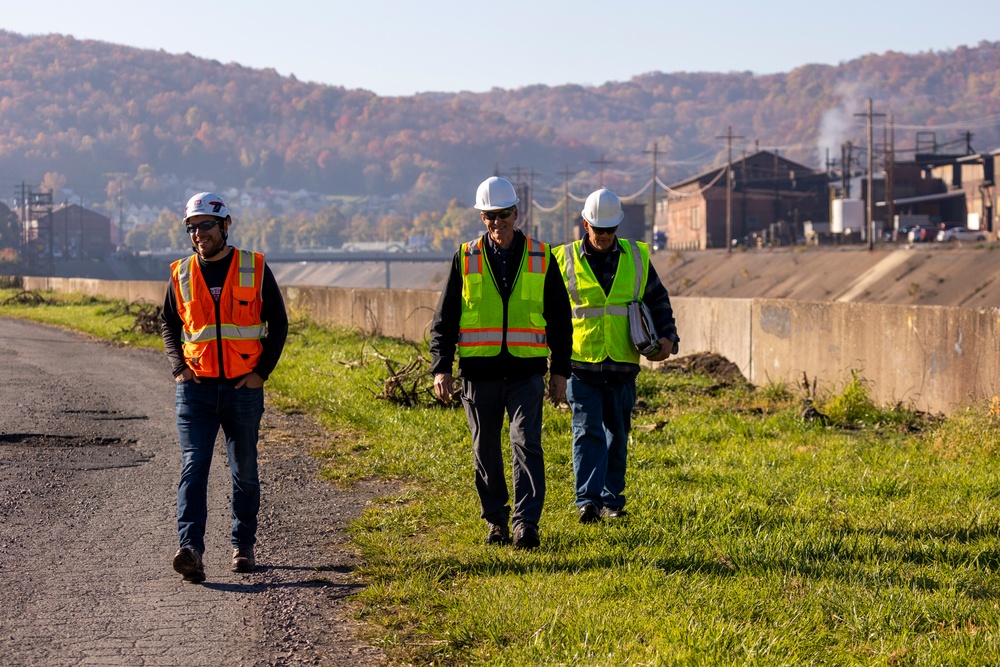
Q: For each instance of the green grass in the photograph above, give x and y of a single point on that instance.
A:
(868, 537)
(98, 317)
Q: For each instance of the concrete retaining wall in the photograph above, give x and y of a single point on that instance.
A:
(931, 357)
(130, 291)
(394, 313)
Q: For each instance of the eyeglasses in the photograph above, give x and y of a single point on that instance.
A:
(202, 227)
(503, 215)
(604, 230)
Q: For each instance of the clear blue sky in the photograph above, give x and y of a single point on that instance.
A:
(400, 48)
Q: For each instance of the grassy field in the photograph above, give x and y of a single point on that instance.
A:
(868, 537)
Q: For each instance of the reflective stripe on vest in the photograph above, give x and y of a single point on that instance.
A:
(481, 332)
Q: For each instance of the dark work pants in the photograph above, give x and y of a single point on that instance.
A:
(485, 403)
(202, 409)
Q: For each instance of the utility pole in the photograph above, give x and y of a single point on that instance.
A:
(870, 199)
(890, 185)
(25, 235)
(652, 206)
(729, 188)
(746, 187)
(603, 163)
(529, 207)
(565, 174)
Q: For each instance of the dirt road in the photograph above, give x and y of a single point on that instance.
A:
(88, 472)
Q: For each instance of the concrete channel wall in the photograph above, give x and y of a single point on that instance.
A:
(930, 357)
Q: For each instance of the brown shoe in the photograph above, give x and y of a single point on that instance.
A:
(497, 534)
(243, 560)
(525, 536)
(187, 562)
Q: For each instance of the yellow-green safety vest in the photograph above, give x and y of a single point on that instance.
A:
(600, 321)
(481, 331)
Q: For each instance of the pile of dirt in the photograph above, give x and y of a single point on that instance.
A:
(711, 364)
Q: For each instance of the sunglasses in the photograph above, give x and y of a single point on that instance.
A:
(203, 227)
(604, 230)
(503, 215)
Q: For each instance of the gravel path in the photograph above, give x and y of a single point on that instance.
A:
(88, 472)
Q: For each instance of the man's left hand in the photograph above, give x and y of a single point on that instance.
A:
(557, 389)
(250, 381)
(666, 349)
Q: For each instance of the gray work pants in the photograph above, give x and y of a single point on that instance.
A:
(485, 402)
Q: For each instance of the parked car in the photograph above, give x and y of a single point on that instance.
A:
(659, 240)
(961, 234)
(921, 233)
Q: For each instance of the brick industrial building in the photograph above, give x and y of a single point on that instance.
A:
(70, 231)
(771, 197)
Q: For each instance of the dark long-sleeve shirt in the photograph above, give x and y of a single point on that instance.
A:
(504, 267)
(272, 314)
(605, 267)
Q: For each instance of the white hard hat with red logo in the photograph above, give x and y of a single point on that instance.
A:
(495, 194)
(206, 203)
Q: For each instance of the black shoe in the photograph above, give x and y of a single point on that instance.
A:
(243, 559)
(589, 513)
(525, 536)
(498, 534)
(187, 562)
(614, 513)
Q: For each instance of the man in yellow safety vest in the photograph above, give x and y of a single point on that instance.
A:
(504, 309)
(603, 275)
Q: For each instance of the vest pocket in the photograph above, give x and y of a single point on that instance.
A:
(472, 288)
(244, 311)
(469, 319)
(533, 286)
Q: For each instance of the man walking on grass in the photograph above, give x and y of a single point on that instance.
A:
(504, 308)
(603, 275)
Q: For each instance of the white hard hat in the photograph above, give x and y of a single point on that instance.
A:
(494, 194)
(603, 209)
(206, 203)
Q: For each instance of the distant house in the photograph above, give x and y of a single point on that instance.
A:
(771, 198)
(71, 231)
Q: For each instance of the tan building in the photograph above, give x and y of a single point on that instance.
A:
(977, 181)
(771, 198)
(947, 190)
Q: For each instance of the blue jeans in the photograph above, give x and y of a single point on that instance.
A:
(201, 410)
(485, 402)
(602, 419)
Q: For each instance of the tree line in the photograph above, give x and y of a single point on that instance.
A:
(112, 120)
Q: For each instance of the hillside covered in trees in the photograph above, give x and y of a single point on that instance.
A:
(100, 115)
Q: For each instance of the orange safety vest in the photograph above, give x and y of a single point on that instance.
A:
(238, 330)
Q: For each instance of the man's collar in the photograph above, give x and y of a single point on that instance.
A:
(590, 251)
(491, 244)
